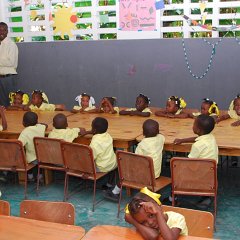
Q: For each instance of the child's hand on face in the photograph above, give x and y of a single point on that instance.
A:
(150, 207)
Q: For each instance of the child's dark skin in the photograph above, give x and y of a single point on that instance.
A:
(140, 106)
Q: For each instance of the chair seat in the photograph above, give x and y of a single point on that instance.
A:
(195, 192)
(13, 169)
(160, 182)
(51, 166)
(89, 176)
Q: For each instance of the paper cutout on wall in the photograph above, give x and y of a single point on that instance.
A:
(132, 70)
(26, 2)
(104, 18)
(33, 14)
(137, 15)
(64, 21)
(159, 5)
(202, 7)
(204, 16)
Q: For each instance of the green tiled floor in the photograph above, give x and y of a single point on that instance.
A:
(228, 219)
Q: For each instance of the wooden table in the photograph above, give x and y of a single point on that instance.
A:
(123, 129)
(16, 228)
(108, 232)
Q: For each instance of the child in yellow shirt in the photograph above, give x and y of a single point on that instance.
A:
(146, 214)
(61, 130)
(107, 105)
(102, 145)
(86, 104)
(174, 107)
(141, 107)
(32, 129)
(18, 100)
(233, 112)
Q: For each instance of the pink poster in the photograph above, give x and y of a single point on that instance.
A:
(137, 15)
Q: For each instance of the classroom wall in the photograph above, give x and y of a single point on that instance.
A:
(125, 68)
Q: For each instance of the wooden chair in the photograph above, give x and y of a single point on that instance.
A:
(79, 162)
(58, 212)
(137, 171)
(199, 223)
(4, 208)
(12, 158)
(194, 176)
(49, 155)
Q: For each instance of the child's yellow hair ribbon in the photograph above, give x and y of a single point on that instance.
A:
(183, 104)
(146, 191)
(214, 106)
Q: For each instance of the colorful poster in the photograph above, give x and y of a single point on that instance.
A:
(137, 15)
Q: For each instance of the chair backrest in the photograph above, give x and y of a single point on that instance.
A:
(48, 150)
(194, 174)
(4, 208)
(199, 223)
(78, 157)
(135, 170)
(58, 212)
(12, 155)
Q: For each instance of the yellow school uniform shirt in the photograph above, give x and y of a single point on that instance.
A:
(68, 134)
(104, 156)
(1, 128)
(232, 113)
(152, 147)
(43, 107)
(205, 146)
(26, 137)
(134, 109)
(85, 110)
(196, 114)
(114, 108)
(177, 220)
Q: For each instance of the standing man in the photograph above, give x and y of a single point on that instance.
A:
(8, 65)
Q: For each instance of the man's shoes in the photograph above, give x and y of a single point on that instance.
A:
(111, 196)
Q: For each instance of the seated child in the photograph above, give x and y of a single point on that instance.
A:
(102, 145)
(141, 107)
(18, 100)
(152, 144)
(32, 129)
(61, 130)
(233, 112)
(204, 146)
(146, 214)
(40, 102)
(3, 126)
(174, 107)
(108, 105)
(86, 104)
(208, 107)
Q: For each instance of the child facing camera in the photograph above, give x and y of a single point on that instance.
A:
(141, 107)
(208, 107)
(86, 104)
(18, 100)
(107, 105)
(233, 112)
(174, 107)
(146, 214)
(40, 102)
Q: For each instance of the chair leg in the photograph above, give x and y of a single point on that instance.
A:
(215, 210)
(66, 188)
(119, 201)
(173, 199)
(25, 185)
(38, 178)
(94, 194)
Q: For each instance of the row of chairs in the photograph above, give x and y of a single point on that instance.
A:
(199, 223)
(188, 176)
